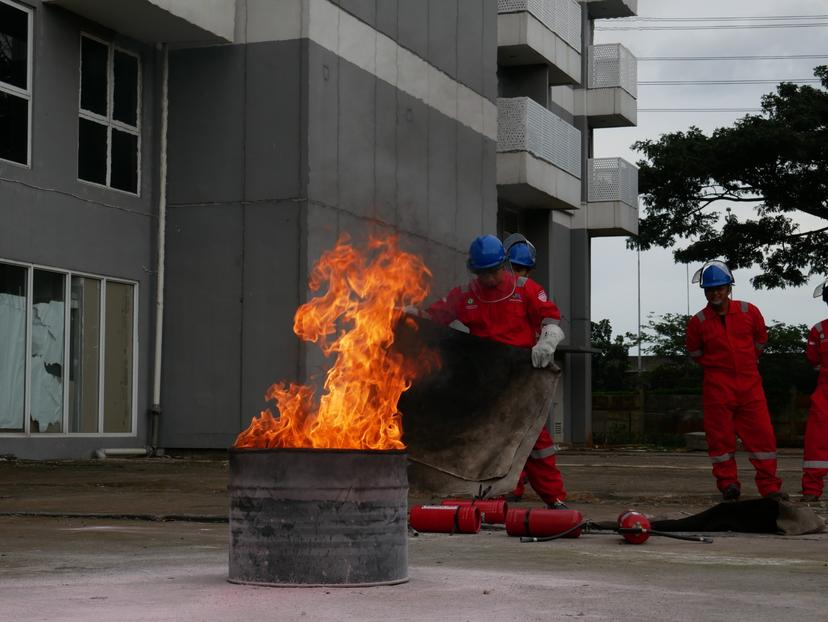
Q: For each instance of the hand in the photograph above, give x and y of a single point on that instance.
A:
(543, 353)
(412, 310)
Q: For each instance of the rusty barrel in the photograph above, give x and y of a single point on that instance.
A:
(314, 517)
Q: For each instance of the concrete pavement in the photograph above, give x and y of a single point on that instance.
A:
(70, 568)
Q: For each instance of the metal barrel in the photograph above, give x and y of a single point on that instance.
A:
(314, 517)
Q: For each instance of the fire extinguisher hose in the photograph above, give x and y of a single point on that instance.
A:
(675, 536)
(563, 534)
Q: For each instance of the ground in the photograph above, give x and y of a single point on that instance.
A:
(115, 562)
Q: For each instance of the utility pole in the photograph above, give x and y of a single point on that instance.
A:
(638, 257)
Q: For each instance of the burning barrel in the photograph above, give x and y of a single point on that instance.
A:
(314, 517)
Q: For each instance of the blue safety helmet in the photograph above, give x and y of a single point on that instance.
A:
(522, 254)
(485, 253)
(713, 274)
(520, 250)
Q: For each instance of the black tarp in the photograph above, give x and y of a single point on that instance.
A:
(765, 515)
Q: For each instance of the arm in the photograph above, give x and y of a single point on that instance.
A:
(444, 311)
(812, 349)
(760, 331)
(543, 313)
(693, 340)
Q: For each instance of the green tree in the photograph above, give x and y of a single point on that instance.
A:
(609, 366)
(768, 169)
(786, 338)
(663, 335)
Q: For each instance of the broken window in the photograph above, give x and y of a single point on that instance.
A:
(13, 282)
(85, 388)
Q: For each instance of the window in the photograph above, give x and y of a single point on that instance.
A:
(109, 143)
(75, 380)
(15, 81)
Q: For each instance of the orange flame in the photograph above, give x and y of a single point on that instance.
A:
(363, 302)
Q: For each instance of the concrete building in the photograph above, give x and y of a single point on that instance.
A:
(182, 164)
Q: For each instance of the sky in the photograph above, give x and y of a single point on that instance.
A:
(664, 285)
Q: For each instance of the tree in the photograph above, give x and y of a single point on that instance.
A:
(664, 336)
(768, 169)
(787, 339)
(609, 367)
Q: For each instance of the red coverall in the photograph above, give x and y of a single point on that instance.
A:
(815, 466)
(728, 348)
(515, 321)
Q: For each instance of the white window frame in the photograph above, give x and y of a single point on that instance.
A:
(108, 121)
(24, 93)
(64, 433)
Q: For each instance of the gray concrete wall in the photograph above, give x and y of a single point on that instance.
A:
(379, 158)
(51, 219)
(236, 211)
(453, 35)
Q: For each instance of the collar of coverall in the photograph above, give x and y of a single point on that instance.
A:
(729, 308)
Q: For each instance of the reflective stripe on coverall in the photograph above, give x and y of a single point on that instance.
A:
(815, 463)
(515, 321)
(728, 347)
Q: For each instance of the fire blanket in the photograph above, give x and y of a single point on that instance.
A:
(471, 424)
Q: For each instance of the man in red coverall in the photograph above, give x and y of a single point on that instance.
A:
(815, 464)
(726, 339)
(512, 310)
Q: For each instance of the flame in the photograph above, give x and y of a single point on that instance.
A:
(354, 319)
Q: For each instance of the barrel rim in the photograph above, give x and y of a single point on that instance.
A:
(315, 451)
(404, 579)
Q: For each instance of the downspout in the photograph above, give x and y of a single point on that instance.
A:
(155, 409)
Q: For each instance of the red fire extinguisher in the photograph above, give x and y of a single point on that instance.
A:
(634, 527)
(493, 511)
(534, 524)
(445, 518)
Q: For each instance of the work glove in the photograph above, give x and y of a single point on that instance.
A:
(544, 351)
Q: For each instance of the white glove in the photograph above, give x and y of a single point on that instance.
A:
(544, 351)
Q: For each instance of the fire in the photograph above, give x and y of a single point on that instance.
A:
(353, 319)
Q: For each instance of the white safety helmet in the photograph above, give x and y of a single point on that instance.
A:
(821, 290)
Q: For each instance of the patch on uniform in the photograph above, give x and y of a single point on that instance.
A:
(542, 296)
(470, 301)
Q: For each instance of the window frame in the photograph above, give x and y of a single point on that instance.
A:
(107, 121)
(17, 91)
(67, 285)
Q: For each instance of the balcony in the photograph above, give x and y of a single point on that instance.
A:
(538, 156)
(606, 9)
(541, 32)
(612, 197)
(612, 79)
(155, 21)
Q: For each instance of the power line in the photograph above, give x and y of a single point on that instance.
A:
(701, 82)
(730, 18)
(714, 27)
(699, 110)
(748, 57)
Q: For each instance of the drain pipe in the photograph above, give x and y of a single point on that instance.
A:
(155, 409)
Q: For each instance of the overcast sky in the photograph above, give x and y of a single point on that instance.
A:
(664, 284)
